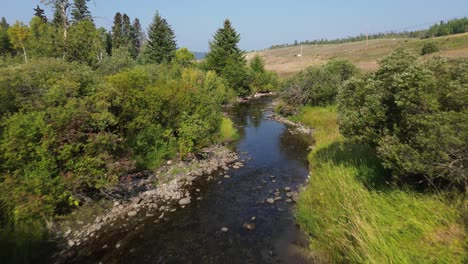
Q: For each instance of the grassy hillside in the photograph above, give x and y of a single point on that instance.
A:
(285, 62)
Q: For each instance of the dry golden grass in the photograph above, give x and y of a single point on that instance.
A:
(286, 63)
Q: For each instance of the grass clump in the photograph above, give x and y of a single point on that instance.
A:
(227, 131)
(354, 216)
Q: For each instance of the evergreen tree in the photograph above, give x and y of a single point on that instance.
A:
(80, 11)
(138, 33)
(226, 59)
(126, 30)
(4, 24)
(39, 12)
(161, 46)
(5, 44)
(117, 38)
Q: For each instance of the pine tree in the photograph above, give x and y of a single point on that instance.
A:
(126, 30)
(117, 38)
(226, 59)
(39, 12)
(80, 11)
(136, 38)
(138, 32)
(161, 46)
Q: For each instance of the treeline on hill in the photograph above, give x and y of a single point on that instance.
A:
(80, 107)
(454, 26)
(389, 167)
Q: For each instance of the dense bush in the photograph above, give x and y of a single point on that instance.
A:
(317, 85)
(414, 114)
(429, 47)
(66, 130)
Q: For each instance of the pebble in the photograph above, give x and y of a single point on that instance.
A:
(132, 213)
(289, 195)
(184, 201)
(287, 189)
(71, 243)
(224, 229)
(270, 200)
(118, 245)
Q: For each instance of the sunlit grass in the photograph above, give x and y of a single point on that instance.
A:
(227, 131)
(353, 216)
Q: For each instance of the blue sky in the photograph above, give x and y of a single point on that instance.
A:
(263, 23)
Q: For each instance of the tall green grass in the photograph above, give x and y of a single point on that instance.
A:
(227, 131)
(354, 216)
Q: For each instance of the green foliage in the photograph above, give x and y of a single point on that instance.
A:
(317, 85)
(227, 131)
(262, 80)
(412, 113)
(353, 216)
(80, 11)
(121, 59)
(227, 60)
(5, 44)
(161, 46)
(429, 47)
(184, 57)
(454, 26)
(83, 43)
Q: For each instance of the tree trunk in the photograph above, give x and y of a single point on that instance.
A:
(25, 55)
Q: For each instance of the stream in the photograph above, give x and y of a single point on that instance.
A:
(231, 222)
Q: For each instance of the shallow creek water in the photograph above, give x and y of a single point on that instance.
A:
(274, 158)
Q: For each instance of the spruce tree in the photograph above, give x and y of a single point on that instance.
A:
(137, 38)
(161, 45)
(117, 38)
(39, 12)
(226, 59)
(80, 11)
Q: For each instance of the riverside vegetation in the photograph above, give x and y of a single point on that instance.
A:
(81, 108)
(388, 169)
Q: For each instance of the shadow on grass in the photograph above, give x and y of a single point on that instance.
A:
(370, 171)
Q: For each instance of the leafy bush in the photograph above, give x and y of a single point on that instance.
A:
(414, 114)
(317, 85)
(429, 47)
(66, 130)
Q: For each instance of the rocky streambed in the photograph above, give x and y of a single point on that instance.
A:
(227, 205)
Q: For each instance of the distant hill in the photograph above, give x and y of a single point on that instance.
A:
(199, 55)
(286, 62)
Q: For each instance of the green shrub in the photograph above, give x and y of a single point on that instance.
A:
(429, 47)
(317, 85)
(262, 80)
(408, 112)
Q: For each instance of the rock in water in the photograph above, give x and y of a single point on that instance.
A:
(287, 189)
(249, 226)
(71, 243)
(132, 213)
(270, 200)
(184, 201)
(224, 229)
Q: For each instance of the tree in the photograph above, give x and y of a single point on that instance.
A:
(161, 46)
(184, 57)
(84, 43)
(225, 57)
(60, 13)
(137, 38)
(18, 34)
(117, 38)
(80, 11)
(39, 12)
(5, 45)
